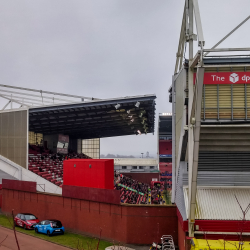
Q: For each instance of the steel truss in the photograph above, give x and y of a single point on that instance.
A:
(191, 12)
(26, 97)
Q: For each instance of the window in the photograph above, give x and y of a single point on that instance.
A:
(134, 167)
(22, 217)
(140, 167)
(30, 217)
(91, 148)
(124, 167)
(152, 167)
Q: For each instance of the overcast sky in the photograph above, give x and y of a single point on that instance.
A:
(106, 49)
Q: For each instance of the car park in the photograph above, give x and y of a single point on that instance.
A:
(50, 227)
(26, 220)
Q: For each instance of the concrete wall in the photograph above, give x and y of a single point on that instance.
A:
(180, 110)
(134, 224)
(14, 136)
(51, 142)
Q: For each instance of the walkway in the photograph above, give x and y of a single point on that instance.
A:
(26, 242)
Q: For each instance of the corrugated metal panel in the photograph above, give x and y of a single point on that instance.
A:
(209, 178)
(248, 99)
(225, 101)
(224, 161)
(219, 204)
(210, 101)
(238, 101)
(222, 99)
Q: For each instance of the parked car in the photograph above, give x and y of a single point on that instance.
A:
(25, 220)
(50, 227)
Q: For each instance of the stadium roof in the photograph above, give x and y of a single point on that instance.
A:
(165, 124)
(96, 119)
(80, 116)
(219, 203)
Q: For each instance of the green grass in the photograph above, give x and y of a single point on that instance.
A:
(68, 239)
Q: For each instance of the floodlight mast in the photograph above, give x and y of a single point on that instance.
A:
(191, 10)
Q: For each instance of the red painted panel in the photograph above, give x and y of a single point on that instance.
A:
(29, 186)
(181, 237)
(183, 224)
(92, 194)
(223, 225)
(226, 78)
(165, 147)
(89, 173)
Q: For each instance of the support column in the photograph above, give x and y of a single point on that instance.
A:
(196, 133)
(190, 101)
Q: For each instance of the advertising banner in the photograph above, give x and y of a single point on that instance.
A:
(63, 144)
(128, 188)
(226, 78)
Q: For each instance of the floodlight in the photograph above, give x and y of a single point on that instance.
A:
(137, 104)
(117, 106)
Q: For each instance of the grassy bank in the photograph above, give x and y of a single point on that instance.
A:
(68, 239)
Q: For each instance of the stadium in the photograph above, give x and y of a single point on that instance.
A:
(41, 132)
(195, 195)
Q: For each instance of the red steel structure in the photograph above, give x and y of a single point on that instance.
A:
(91, 173)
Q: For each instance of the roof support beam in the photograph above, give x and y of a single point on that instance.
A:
(201, 41)
(5, 106)
(181, 41)
(229, 34)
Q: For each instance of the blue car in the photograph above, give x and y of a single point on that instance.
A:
(49, 227)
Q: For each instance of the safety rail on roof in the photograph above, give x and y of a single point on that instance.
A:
(26, 97)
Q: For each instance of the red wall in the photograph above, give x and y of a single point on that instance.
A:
(29, 186)
(165, 147)
(132, 224)
(142, 177)
(181, 237)
(92, 194)
(89, 173)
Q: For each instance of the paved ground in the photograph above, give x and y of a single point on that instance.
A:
(26, 242)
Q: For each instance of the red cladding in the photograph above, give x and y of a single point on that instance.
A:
(226, 78)
(223, 225)
(92, 194)
(165, 147)
(28, 186)
(89, 173)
